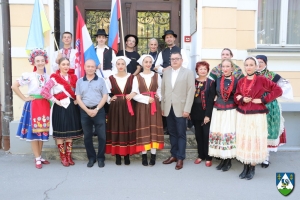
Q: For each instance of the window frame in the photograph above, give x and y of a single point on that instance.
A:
(284, 9)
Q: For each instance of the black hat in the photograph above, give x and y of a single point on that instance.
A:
(167, 32)
(262, 57)
(135, 37)
(101, 32)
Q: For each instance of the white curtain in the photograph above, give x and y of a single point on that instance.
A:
(268, 29)
(293, 26)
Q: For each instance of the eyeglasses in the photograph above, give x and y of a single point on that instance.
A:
(177, 59)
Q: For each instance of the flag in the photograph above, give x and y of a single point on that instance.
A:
(84, 45)
(39, 25)
(115, 15)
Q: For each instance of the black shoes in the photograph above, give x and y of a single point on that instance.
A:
(265, 164)
(250, 173)
(101, 163)
(244, 172)
(219, 167)
(144, 159)
(91, 163)
(127, 160)
(118, 159)
(227, 165)
(152, 159)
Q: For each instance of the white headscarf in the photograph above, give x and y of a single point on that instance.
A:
(114, 61)
(141, 59)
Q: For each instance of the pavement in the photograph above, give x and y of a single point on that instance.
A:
(19, 179)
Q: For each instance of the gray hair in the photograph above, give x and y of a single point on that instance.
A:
(153, 39)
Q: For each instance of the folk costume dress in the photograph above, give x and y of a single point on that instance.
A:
(121, 124)
(149, 127)
(202, 107)
(252, 126)
(216, 72)
(65, 119)
(222, 134)
(276, 130)
(35, 120)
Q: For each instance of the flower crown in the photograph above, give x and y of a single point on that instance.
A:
(37, 52)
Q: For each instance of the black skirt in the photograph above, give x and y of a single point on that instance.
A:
(66, 121)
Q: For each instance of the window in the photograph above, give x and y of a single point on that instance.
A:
(278, 23)
(151, 24)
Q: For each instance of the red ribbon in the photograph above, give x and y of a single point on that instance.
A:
(129, 105)
(153, 105)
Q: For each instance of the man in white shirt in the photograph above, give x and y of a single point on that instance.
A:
(163, 61)
(105, 55)
(67, 52)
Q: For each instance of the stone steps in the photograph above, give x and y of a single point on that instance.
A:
(50, 151)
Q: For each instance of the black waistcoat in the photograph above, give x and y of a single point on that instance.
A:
(166, 54)
(107, 58)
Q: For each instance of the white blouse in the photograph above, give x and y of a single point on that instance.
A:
(34, 81)
(143, 98)
(122, 83)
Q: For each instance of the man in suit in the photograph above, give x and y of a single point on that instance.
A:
(177, 91)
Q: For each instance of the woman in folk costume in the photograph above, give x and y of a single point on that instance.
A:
(201, 111)
(65, 116)
(216, 72)
(35, 120)
(276, 130)
(222, 128)
(121, 128)
(251, 123)
(149, 127)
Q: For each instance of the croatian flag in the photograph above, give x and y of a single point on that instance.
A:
(115, 15)
(84, 45)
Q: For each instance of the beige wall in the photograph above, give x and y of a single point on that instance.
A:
(20, 16)
(228, 27)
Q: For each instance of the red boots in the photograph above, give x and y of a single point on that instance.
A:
(63, 157)
(68, 153)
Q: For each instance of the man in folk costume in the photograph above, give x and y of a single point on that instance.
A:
(67, 52)
(105, 55)
(163, 61)
(153, 51)
(276, 130)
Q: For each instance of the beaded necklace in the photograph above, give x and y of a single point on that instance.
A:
(245, 91)
(225, 92)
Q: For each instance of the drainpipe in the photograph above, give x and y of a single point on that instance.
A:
(8, 109)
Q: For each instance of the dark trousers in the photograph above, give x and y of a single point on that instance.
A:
(202, 136)
(177, 131)
(87, 123)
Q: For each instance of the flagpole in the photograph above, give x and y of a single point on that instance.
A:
(121, 20)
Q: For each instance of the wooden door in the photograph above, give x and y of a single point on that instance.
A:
(146, 19)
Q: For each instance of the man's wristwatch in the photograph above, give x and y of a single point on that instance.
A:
(97, 108)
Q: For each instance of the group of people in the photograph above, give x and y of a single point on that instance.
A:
(129, 100)
(238, 116)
